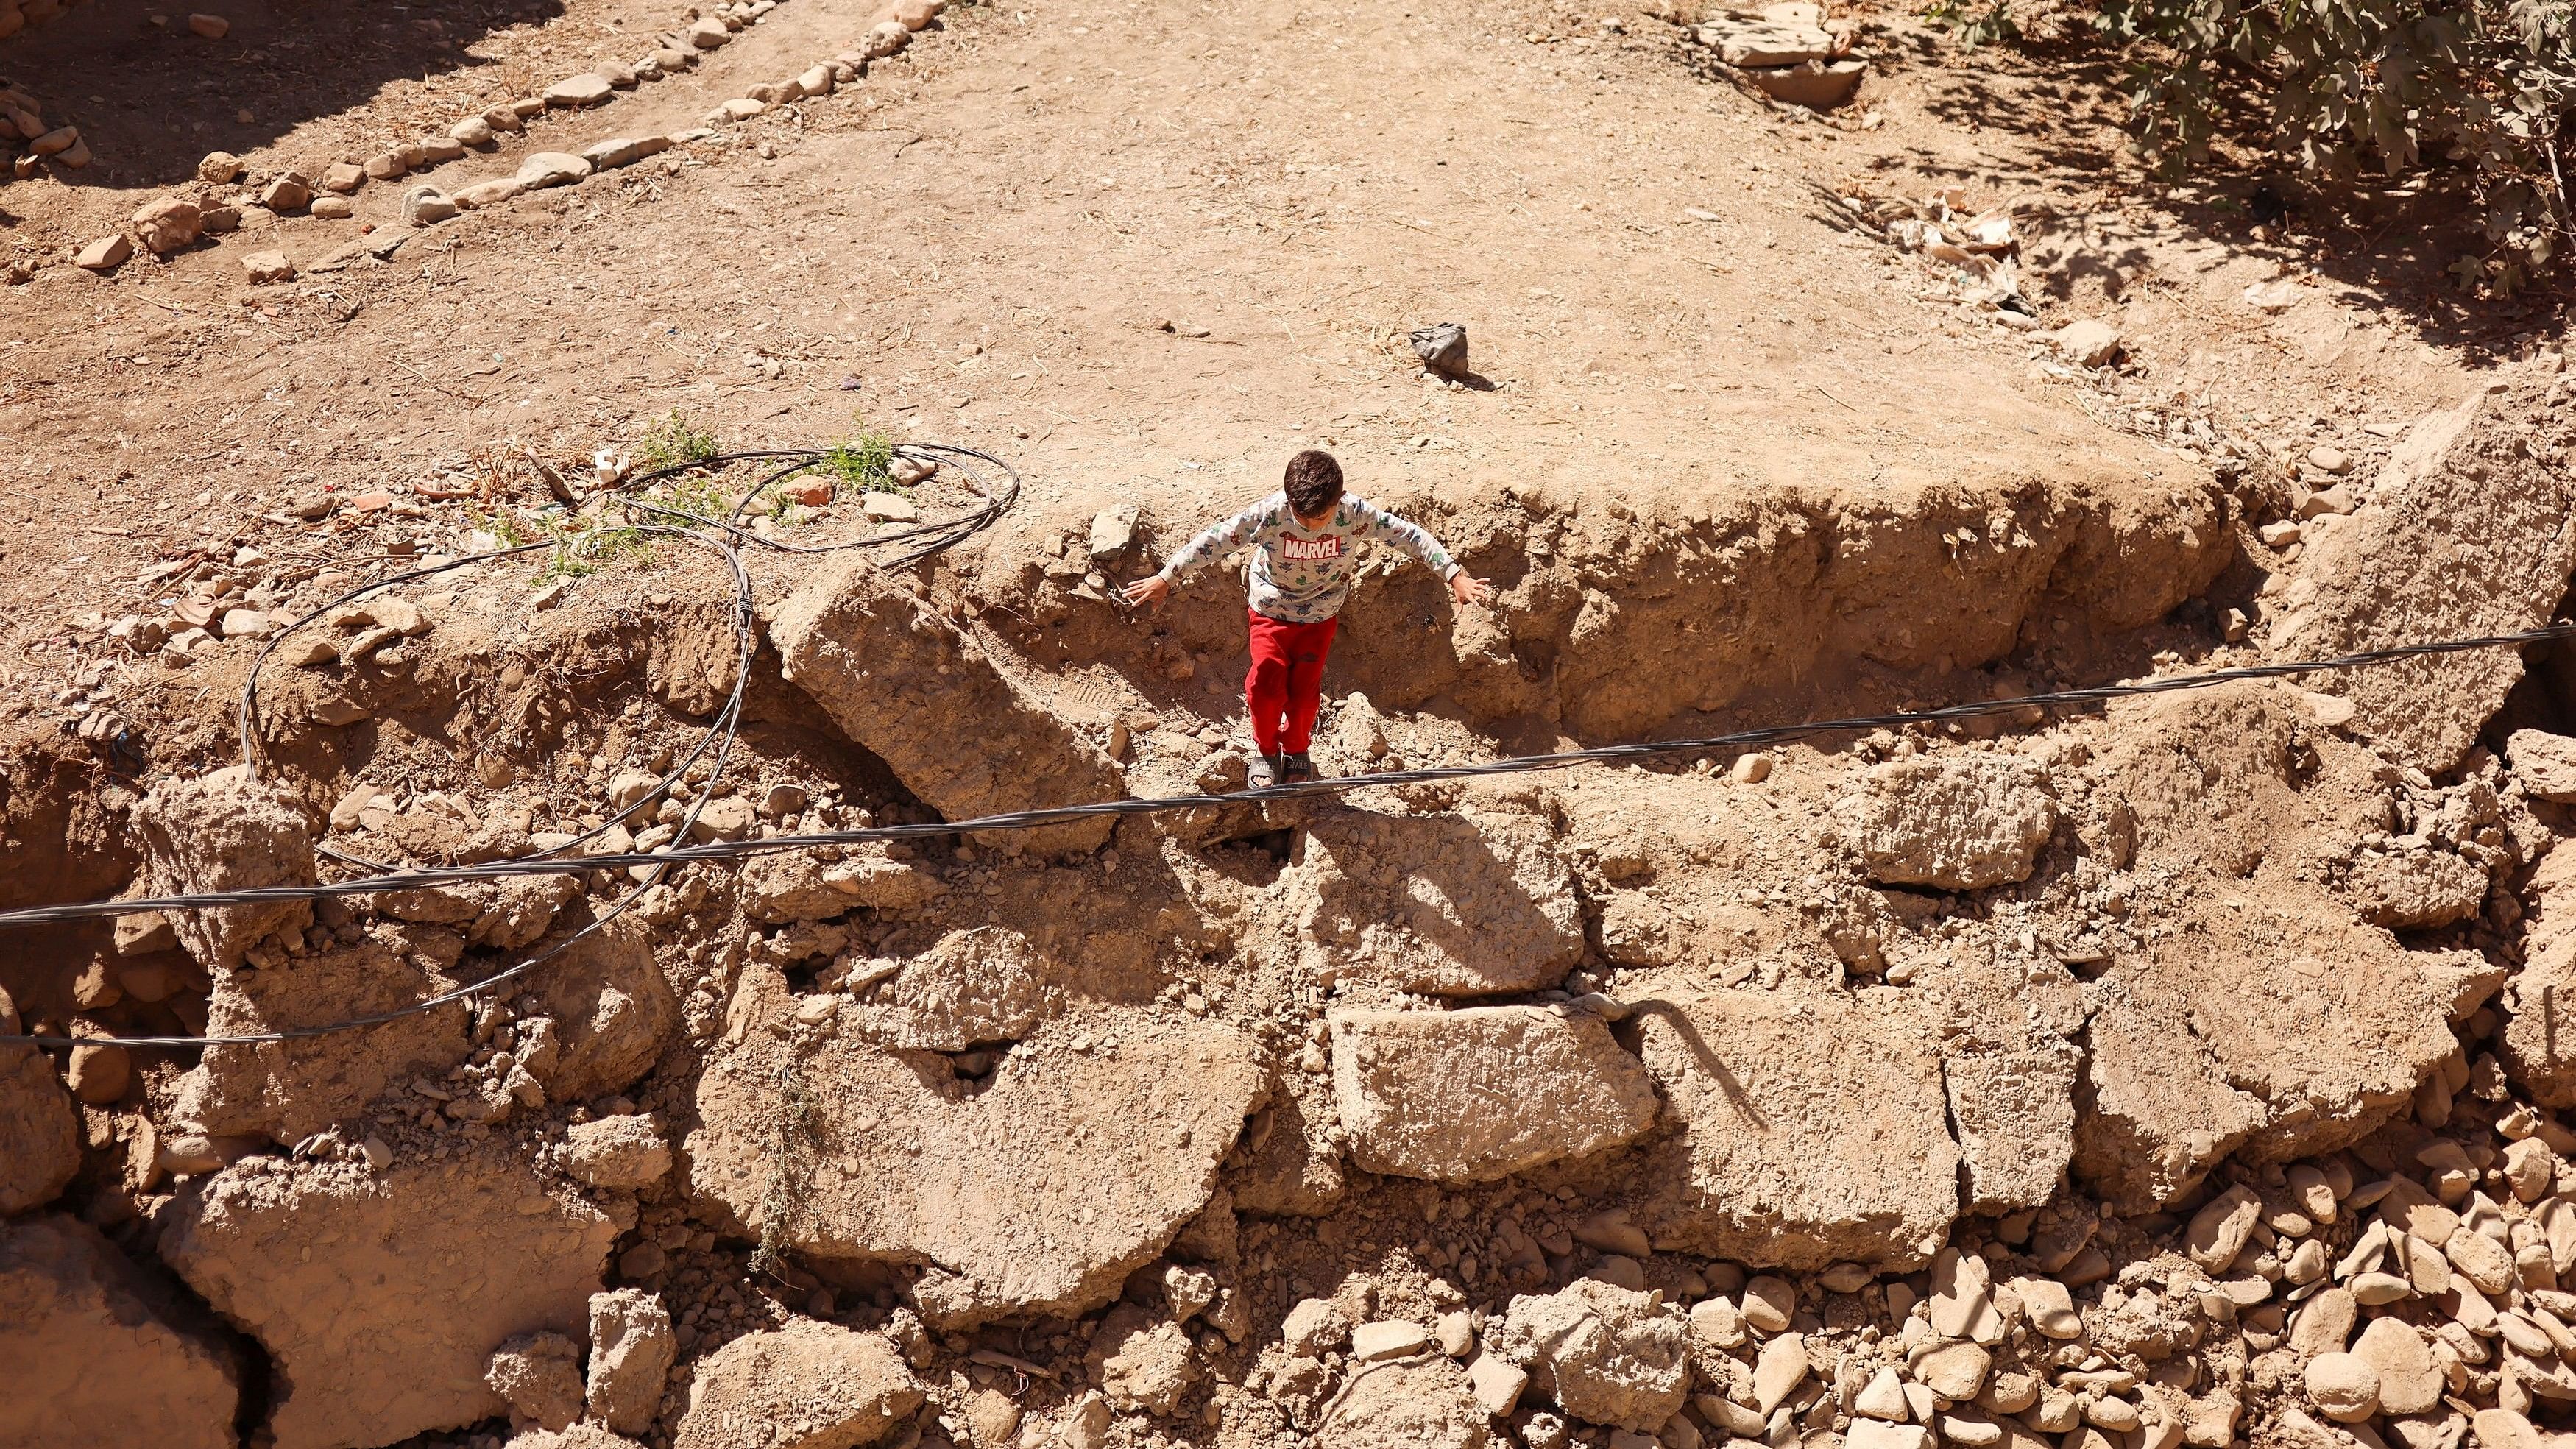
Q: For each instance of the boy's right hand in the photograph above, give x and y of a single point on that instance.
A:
(1148, 592)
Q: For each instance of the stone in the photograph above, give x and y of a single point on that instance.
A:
(1778, 1369)
(487, 193)
(105, 254)
(385, 166)
(55, 142)
(1112, 532)
(209, 27)
(623, 151)
(2463, 541)
(1960, 821)
(2481, 1260)
(1954, 1371)
(343, 177)
(1389, 1338)
(886, 37)
(1601, 1353)
(988, 984)
(1883, 1397)
(218, 832)
(289, 192)
(426, 206)
(728, 817)
(2217, 1232)
(613, 1009)
(1718, 1323)
(621, 1153)
(1816, 84)
(895, 674)
(707, 32)
(816, 81)
(329, 1264)
(1962, 1303)
(2050, 1308)
(167, 224)
(550, 168)
(1497, 1383)
(1813, 1129)
(2343, 1387)
(1431, 1403)
(1387, 896)
(97, 1073)
(632, 1348)
(2088, 343)
(332, 208)
(889, 508)
(2504, 1429)
(740, 108)
(219, 168)
(2543, 764)
(574, 92)
(473, 131)
(808, 1385)
(539, 1376)
(2410, 1379)
(264, 267)
(1314, 1327)
(1482, 1093)
(2324, 1323)
(1143, 1363)
(436, 150)
(100, 1352)
(1131, 1129)
(1872, 1434)
(40, 1129)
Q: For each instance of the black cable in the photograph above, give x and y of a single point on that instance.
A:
(1040, 819)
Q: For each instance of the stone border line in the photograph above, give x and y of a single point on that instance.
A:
(169, 224)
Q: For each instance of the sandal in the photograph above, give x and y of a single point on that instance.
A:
(1296, 767)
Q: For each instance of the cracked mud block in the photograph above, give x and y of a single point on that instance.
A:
(902, 680)
(1037, 1190)
(1481, 1093)
(221, 832)
(329, 1265)
(806, 1386)
(40, 1144)
(98, 1352)
(1961, 822)
(1804, 1130)
(2539, 1038)
(2465, 534)
(1471, 904)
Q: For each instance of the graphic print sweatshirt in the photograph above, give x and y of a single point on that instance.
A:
(1302, 575)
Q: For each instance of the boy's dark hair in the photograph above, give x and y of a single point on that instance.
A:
(1314, 482)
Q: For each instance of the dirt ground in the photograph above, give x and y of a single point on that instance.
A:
(2086, 1078)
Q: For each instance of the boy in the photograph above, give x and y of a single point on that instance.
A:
(1302, 539)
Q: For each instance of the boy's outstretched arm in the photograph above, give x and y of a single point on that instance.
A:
(1235, 532)
(1416, 540)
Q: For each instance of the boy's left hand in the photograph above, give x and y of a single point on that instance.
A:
(1468, 589)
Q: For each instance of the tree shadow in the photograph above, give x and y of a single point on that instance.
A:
(152, 100)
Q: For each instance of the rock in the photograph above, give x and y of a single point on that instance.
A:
(1443, 348)
(101, 1353)
(1144, 1363)
(40, 1129)
(1497, 1383)
(1390, 896)
(98, 1074)
(2324, 1324)
(1718, 1323)
(798, 886)
(1871, 1434)
(2481, 1260)
(2504, 1429)
(488, 193)
(550, 168)
(889, 508)
(1778, 1369)
(265, 267)
(2410, 1380)
(2088, 343)
(1816, 84)
(741, 108)
(707, 32)
(584, 1435)
(1812, 1130)
(2050, 1308)
(1601, 1353)
(886, 37)
(2544, 764)
(1113, 532)
(2217, 1232)
(219, 168)
(622, 1153)
(290, 191)
(329, 1264)
(632, 1348)
(1954, 1371)
(1038, 1194)
(1483, 1093)
(167, 224)
(623, 151)
(55, 142)
(426, 206)
(343, 178)
(1314, 1327)
(973, 987)
(613, 1008)
(1750, 769)
(436, 150)
(2463, 541)
(105, 254)
(895, 674)
(806, 1386)
(1390, 1338)
(816, 81)
(1431, 1403)
(728, 817)
(539, 1376)
(574, 92)
(473, 131)
(220, 832)
(385, 166)
(1962, 1303)
(209, 27)
(1961, 822)
(2413, 890)
(2343, 1387)
(332, 208)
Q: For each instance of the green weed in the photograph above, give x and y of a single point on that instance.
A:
(671, 441)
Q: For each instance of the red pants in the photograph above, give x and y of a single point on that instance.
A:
(1286, 681)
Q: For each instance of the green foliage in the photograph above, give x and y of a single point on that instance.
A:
(670, 441)
(2473, 90)
(862, 460)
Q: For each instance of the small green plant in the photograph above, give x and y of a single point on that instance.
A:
(671, 441)
(508, 530)
(701, 494)
(863, 460)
